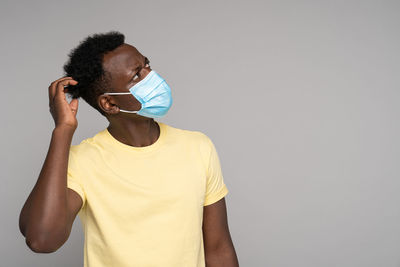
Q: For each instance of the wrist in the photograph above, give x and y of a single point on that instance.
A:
(64, 129)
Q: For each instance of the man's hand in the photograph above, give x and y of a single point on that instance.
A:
(64, 113)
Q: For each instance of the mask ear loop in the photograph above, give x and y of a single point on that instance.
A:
(123, 93)
(129, 111)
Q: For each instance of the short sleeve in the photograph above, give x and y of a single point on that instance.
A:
(74, 175)
(216, 188)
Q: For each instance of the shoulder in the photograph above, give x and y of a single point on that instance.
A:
(194, 140)
(86, 148)
(189, 135)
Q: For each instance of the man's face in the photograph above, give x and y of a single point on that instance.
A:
(127, 67)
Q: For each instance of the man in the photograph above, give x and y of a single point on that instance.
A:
(147, 193)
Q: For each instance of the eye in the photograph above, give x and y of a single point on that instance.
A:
(135, 77)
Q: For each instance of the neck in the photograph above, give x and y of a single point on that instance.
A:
(133, 131)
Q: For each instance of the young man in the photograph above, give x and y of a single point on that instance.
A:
(147, 193)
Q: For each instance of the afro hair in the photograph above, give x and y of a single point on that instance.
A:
(85, 65)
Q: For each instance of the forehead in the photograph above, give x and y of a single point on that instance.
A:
(123, 59)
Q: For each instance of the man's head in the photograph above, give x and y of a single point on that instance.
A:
(105, 63)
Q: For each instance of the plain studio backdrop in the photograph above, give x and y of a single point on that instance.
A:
(301, 99)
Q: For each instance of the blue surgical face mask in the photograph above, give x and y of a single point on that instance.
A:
(153, 93)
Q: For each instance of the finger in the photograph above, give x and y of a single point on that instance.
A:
(52, 88)
(54, 83)
(60, 87)
(74, 105)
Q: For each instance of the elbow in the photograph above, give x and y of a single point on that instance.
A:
(42, 239)
(45, 243)
(45, 240)
(38, 246)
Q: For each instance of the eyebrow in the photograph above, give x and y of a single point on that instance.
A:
(135, 71)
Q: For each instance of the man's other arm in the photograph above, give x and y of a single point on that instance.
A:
(218, 245)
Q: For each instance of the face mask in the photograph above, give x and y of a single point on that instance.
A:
(153, 93)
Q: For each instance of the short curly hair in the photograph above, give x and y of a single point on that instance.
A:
(85, 65)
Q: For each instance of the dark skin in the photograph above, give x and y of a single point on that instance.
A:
(48, 214)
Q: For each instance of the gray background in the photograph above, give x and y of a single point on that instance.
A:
(301, 99)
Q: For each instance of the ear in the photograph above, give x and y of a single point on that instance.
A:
(107, 104)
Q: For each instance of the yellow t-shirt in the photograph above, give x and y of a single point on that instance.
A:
(143, 206)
